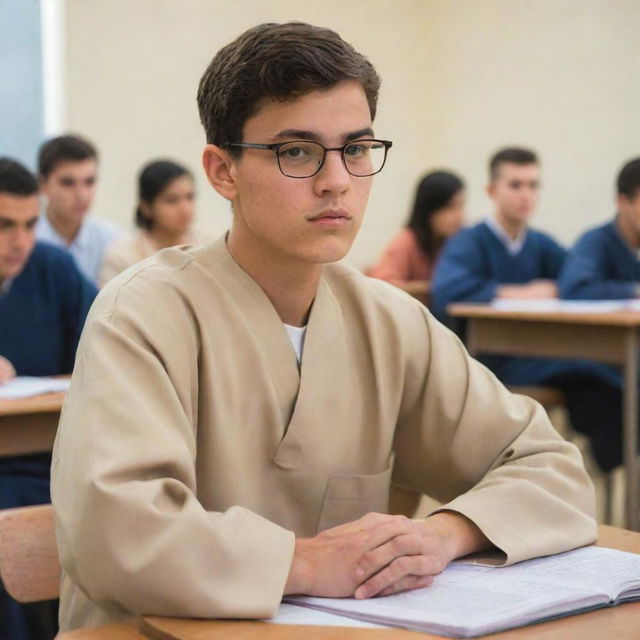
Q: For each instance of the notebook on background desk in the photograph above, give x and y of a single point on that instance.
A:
(26, 387)
(468, 600)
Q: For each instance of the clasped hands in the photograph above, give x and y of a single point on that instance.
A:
(380, 554)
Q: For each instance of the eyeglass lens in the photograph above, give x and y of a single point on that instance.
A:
(301, 159)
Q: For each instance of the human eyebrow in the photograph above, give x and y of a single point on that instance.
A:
(304, 134)
(6, 223)
(361, 133)
(298, 134)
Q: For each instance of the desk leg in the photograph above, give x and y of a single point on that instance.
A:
(631, 431)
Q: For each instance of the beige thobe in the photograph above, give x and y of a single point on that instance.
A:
(137, 246)
(192, 450)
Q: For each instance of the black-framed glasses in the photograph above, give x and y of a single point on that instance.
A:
(304, 158)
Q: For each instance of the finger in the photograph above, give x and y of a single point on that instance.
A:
(408, 583)
(398, 569)
(374, 560)
(384, 531)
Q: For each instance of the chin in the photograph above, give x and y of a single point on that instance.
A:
(330, 252)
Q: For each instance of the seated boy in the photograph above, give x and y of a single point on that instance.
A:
(604, 264)
(43, 304)
(254, 397)
(503, 257)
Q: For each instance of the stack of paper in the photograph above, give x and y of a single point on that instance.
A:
(24, 387)
(467, 600)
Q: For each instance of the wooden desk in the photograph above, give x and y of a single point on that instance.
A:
(621, 622)
(612, 338)
(28, 425)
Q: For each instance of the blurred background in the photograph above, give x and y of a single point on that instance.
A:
(460, 79)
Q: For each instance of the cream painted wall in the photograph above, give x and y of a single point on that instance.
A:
(460, 78)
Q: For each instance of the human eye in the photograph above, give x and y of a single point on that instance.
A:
(359, 149)
(296, 151)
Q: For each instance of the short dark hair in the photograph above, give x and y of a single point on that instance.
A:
(153, 179)
(628, 182)
(511, 155)
(63, 149)
(281, 61)
(16, 179)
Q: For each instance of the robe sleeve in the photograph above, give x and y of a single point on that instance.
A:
(131, 531)
(491, 455)
(460, 275)
(584, 275)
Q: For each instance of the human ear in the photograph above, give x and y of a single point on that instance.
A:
(219, 167)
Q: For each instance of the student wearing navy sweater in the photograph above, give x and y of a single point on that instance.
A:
(43, 304)
(503, 258)
(605, 262)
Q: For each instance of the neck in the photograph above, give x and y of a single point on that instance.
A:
(163, 239)
(290, 286)
(513, 228)
(629, 231)
(68, 229)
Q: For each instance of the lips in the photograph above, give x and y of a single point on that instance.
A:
(331, 214)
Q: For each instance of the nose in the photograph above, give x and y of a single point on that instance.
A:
(333, 177)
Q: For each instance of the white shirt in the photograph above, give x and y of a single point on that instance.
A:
(87, 247)
(513, 246)
(296, 335)
(5, 285)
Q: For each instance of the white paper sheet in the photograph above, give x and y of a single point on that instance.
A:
(467, 600)
(25, 387)
(569, 306)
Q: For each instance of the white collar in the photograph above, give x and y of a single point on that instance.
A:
(512, 245)
(79, 241)
(6, 285)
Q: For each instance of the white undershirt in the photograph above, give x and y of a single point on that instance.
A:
(296, 335)
(512, 245)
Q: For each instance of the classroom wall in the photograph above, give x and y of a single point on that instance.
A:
(459, 79)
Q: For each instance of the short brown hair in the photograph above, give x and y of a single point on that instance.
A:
(69, 148)
(510, 155)
(281, 61)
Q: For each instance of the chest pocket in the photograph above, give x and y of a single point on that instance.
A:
(349, 497)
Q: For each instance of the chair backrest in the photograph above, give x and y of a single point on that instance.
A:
(29, 566)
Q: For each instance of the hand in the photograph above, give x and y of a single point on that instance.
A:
(380, 554)
(535, 290)
(410, 561)
(6, 370)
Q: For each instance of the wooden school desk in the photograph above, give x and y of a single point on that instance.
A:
(28, 425)
(619, 623)
(611, 337)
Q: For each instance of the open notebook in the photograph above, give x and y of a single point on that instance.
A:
(468, 600)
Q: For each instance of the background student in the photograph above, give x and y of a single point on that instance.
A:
(68, 173)
(604, 264)
(164, 217)
(437, 214)
(43, 304)
(503, 258)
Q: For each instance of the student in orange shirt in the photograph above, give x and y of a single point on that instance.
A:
(438, 213)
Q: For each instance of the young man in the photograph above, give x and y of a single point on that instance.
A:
(253, 398)
(43, 304)
(604, 264)
(68, 172)
(503, 258)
